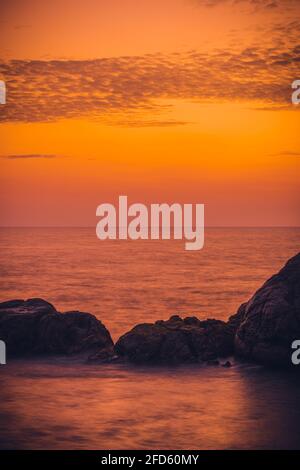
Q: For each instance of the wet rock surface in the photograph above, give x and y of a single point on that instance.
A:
(270, 321)
(35, 327)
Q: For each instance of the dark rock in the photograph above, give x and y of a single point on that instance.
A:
(263, 330)
(226, 364)
(235, 320)
(175, 318)
(34, 327)
(270, 321)
(176, 341)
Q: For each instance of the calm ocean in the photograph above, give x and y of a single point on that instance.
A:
(49, 404)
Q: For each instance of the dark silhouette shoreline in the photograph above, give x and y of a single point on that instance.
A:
(262, 331)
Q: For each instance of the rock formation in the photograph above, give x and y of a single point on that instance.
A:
(176, 341)
(262, 330)
(269, 323)
(35, 327)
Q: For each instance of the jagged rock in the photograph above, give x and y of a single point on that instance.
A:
(235, 320)
(34, 327)
(270, 321)
(176, 341)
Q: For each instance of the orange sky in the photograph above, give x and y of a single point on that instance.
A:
(165, 101)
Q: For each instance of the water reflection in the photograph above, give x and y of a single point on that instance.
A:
(91, 407)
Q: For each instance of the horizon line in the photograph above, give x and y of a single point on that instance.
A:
(92, 226)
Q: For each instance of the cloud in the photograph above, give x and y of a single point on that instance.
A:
(29, 156)
(286, 153)
(276, 107)
(125, 88)
(23, 26)
(265, 4)
(146, 123)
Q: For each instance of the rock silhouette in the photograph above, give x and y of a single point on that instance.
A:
(176, 340)
(262, 330)
(270, 321)
(35, 327)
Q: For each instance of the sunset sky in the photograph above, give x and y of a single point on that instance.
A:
(161, 100)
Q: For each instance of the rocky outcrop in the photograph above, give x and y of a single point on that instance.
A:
(35, 327)
(269, 323)
(176, 341)
(262, 330)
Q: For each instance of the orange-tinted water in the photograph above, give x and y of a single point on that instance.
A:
(55, 405)
(127, 282)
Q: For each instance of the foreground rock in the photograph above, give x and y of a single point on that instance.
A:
(269, 323)
(176, 341)
(34, 327)
(262, 330)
